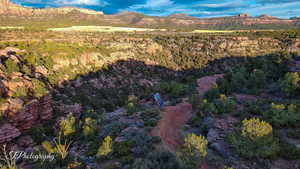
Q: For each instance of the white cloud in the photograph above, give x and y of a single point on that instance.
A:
(68, 2)
(151, 4)
(234, 4)
(82, 2)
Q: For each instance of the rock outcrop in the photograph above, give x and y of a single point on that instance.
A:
(10, 9)
(244, 15)
(19, 113)
(8, 132)
(26, 116)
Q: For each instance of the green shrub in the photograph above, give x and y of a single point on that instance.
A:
(178, 90)
(21, 92)
(225, 104)
(255, 140)
(106, 147)
(150, 117)
(255, 128)
(290, 83)
(39, 88)
(207, 107)
(195, 100)
(46, 128)
(212, 94)
(221, 105)
(26, 70)
(158, 160)
(132, 102)
(243, 80)
(67, 125)
(60, 148)
(173, 89)
(131, 108)
(195, 122)
(235, 81)
(122, 148)
(257, 80)
(294, 133)
(132, 99)
(283, 115)
(89, 127)
(289, 151)
(265, 147)
(48, 147)
(193, 151)
(256, 107)
(11, 66)
(228, 168)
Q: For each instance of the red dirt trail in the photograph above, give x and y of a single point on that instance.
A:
(173, 118)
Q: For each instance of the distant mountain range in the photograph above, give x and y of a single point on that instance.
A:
(9, 9)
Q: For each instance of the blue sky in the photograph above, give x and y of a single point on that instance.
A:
(198, 8)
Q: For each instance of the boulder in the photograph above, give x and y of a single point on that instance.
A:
(213, 135)
(26, 116)
(242, 98)
(295, 66)
(207, 123)
(25, 141)
(220, 149)
(75, 109)
(8, 132)
(117, 113)
(45, 108)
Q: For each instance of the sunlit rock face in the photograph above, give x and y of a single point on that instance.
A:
(11, 9)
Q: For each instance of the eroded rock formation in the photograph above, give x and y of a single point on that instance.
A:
(9, 8)
(8, 132)
(19, 114)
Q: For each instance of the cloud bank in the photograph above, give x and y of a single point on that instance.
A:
(197, 8)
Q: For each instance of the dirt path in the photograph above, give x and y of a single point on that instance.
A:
(172, 120)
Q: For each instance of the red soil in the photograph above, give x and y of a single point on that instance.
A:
(172, 120)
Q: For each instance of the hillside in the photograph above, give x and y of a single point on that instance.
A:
(96, 94)
(16, 15)
(8, 8)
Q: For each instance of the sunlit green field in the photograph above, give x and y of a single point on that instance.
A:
(103, 29)
(11, 27)
(213, 31)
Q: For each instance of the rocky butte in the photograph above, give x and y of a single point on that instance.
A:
(10, 9)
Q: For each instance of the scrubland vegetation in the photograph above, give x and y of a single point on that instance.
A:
(114, 83)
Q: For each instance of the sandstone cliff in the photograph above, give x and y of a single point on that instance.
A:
(10, 9)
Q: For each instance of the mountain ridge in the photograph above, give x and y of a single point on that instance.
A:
(9, 8)
(128, 18)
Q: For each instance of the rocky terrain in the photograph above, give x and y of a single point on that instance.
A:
(22, 113)
(10, 9)
(97, 92)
